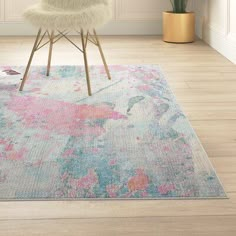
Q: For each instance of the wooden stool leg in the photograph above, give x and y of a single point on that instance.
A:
(86, 62)
(51, 36)
(30, 60)
(102, 55)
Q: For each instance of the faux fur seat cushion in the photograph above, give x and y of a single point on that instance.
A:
(70, 14)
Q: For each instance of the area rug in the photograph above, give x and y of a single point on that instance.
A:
(130, 140)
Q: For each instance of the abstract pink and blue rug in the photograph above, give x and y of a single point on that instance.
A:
(130, 140)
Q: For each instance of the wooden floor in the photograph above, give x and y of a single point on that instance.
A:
(204, 83)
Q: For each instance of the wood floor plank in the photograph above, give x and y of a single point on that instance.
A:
(216, 131)
(132, 208)
(224, 164)
(213, 85)
(164, 226)
(208, 111)
(194, 96)
(217, 149)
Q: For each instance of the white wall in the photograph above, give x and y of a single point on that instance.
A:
(130, 17)
(1, 10)
(219, 25)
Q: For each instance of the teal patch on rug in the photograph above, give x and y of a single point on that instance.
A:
(130, 140)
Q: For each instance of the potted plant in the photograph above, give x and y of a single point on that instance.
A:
(179, 25)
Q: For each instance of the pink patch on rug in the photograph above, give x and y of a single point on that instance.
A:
(77, 90)
(9, 147)
(68, 153)
(150, 76)
(38, 163)
(144, 194)
(144, 87)
(188, 193)
(112, 190)
(11, 152)
(2, 141)
(16, 155)
(62, 117)
(113, 162)
(166, 149)
(95, 150)
(166, 188)
(72, 193)
(35, 90)
(86, 182)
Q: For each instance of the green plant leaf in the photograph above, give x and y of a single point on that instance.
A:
(179, 6)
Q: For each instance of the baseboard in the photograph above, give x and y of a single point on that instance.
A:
(113, 28)
(199, 27)
(225, 44)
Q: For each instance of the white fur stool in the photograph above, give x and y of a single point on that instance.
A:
(56, 18)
